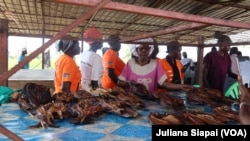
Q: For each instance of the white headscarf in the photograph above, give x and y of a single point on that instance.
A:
(135, 46)
(24, 49)
(65, 45)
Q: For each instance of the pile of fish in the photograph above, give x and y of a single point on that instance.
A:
(169, 101)
(80, 107)
(222, 112)
(222, 115)
(84, 107)
(212, 97)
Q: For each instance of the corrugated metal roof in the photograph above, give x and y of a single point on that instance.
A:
(45, 18)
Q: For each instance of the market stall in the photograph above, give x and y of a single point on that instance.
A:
(107, 127)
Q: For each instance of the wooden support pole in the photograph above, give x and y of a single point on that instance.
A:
(200, 53)
(4, 48)
(6, 75)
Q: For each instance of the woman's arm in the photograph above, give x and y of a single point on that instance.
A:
(66, 86)
(172, 86)
(112, 75)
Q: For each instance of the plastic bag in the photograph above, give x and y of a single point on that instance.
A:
(5, 93)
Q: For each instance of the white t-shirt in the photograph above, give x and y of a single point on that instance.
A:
(184, 61)
(91, 68)
(189, 72)
(234, 67)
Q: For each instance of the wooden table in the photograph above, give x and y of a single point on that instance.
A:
(39, 76)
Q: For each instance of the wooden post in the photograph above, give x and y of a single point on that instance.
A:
(4, 76)
(200, 60)
(43, 55)
(4, 48)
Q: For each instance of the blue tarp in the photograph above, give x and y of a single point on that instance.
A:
(108, 127)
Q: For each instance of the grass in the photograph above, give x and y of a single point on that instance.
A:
(35, 63)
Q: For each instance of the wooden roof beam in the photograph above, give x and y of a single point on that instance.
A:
(165, 31)
(118, 6)
(59, 35)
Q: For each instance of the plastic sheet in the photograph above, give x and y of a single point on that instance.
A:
(5, 93)
(108, 127)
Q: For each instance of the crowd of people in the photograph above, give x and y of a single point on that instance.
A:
(110, 71)
(174, 72)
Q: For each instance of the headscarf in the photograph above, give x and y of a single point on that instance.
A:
(65, 45)
(92, 35)
(143, 41)
(24, 49)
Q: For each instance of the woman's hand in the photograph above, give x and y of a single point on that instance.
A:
(123, 84)
(186, 88)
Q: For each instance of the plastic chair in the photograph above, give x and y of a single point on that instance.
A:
(233, 91)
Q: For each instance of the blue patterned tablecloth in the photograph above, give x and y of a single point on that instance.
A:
(109, 127)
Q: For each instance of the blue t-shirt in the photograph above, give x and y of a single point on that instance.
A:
(26, 66)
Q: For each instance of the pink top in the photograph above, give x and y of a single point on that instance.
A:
(149, 75)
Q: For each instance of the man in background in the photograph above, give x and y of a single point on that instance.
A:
(22, 56)
(188, 67)
(91, 62)
(213, 49)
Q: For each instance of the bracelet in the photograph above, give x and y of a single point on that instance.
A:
(244, 103)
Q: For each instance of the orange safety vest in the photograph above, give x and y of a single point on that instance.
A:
(111, 60)
(169, 70)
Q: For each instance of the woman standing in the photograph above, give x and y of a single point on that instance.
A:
(91, 62)
(172, 66)
(112, 64)
(67, 73)
(146, 71)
